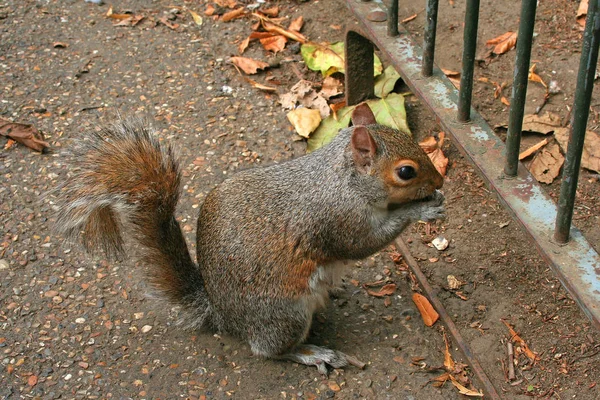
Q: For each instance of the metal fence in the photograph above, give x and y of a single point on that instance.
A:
(572, 258)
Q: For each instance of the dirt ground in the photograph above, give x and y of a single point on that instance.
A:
(77, 326)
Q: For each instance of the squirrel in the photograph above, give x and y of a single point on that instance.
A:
(271, 241)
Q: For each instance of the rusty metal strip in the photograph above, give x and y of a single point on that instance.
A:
(488, 388)
(576, 263)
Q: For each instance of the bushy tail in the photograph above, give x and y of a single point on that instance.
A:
(123, 179)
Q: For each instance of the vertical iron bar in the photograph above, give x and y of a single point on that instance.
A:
(519, 89)
(581, 110)
(468, 60)
(429, 37)
(393, 19)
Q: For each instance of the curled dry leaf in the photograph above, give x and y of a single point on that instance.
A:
(427, 311)
(210, 10)
(248, 65)
(296, 24)
(23, 133)
(582, 12)
(448, 361)
(517, 339)
(535, 77)
(453, 76)
(408, 19)
(274, 43)
(386, 290)
(231, 15)
(433, 148)
(503, 43)
(331, 87)
(547, 163)
(526, 153)
(113, 15)
(304, 120)
(464, 390)
(271, 12)
(590, 158)
(197, 18)
(260, 86)
(243, 45)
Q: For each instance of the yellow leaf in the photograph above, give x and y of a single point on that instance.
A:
(304, 120)
(196, 17)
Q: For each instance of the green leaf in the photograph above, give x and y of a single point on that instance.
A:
(329, 58)
(389, 111)
(384, 84)
(328, 129)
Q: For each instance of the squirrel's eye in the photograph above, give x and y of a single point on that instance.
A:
(406, 173)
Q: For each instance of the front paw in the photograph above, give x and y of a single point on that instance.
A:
(434, 208)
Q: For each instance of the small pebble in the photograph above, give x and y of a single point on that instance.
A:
(146, 328)
(80, 320)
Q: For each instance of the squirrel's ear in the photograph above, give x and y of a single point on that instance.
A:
(363, 115)
(363, 147)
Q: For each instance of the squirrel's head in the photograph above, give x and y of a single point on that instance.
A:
(394, 158)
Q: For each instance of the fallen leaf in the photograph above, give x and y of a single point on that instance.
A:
(244, 45)
(504, 101)
(384, 83)
(274, 43)
(453, 76)
(535, 77)
(427, 311)
(296, 25)
(133, 20)
(433, 148)
(464, 390)
(408, 19)
(590, 158)
(210, 10)
(226, 3)
(547, 163)
(197, 18)
(544, 124)
(331, 87)
(386, 290)
(329, 58)
(582, 12)
(440, 380)
(111, 14)
(504, 42)
(454, 283)
(303, 93)
(389, 111)
(167, 23)
(231, 15)
(271, 12)
(260, 86)
(526, 153)
(517, 339)
(23, 133)
(60, 44)
(32, 380)
(448, 361)
(304, 120)
(248, 65)
(270, 26)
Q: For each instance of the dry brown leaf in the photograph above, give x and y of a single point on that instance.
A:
(543, 124)
(197, 18)
(60, 45)
(168, 24)
(504, 42)
(231, 15)
(261, 35)
(582, 12)
(535, 77)
(517, 339)
(547, 163)
(226, 3)
(270, 26)
(210, 10)
(386, 290)
(244, 45)
(590, 159)
(133, 20)
(504, 101)
(111, 14)
(453, 282)
(448, 361)
(271, 12)
(296, 25)
(526, 153)
(304, 120)
(23, 133)
(433, 148)
(464, 390)
(453, 76)
(427, 311)
(408, 19)
(331, 87)
(248, 65)
(260, 86)
(274, 43)
(303, 93)
(335, 107)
